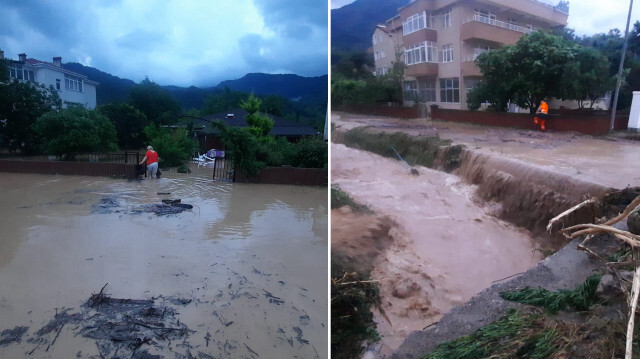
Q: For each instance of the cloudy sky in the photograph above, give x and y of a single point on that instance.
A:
(586, 17)
(173, 42)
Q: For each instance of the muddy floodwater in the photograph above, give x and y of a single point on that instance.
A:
(243, 273)
(447, 245)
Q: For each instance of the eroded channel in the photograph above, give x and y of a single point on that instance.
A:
(223, 269)
(449, 242)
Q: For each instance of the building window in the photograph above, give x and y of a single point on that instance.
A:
(485, 16)
(378, 55)
(480, 50)
(428, 91)
(421, 52)
(416, 22)
(58, 84)
(410, 91)
(17, 72)
(380, 71)
(450, 90)
(447, 53)
(73, 83)
(446, 17)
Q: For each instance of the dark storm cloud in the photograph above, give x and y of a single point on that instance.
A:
(196, 42)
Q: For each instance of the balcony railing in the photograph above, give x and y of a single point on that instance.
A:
(498, 23)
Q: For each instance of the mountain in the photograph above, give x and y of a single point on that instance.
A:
(111, 88)
(289, 86)
(311, 90)
(352, 25)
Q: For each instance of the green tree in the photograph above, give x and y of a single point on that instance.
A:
(154, 101)
(528, 71)
(75, 129)
(21, 103)
(129, 124)
(241, 147)
(174, 147)
(587, 78)
(260, 125)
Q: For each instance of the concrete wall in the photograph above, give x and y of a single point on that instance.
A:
(287, 175)
(591, 124)
(380, 110)
(69, 168)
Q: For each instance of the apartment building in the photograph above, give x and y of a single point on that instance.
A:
(442, 38)
(72, 87)
(387, 43)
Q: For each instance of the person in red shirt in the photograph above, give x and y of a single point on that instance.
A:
(541, 115)
(152, 162)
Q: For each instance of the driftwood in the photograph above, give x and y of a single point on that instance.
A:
(633, 240)
(556, 219)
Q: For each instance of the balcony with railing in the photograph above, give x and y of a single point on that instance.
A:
(552, 12)
(484, 28)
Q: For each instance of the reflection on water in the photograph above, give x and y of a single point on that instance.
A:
(238, 238)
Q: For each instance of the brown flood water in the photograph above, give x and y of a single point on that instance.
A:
(447, 246)
(237, 243)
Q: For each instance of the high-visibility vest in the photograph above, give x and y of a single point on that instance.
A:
(544, 108)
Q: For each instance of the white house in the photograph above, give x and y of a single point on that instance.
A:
(72, 87)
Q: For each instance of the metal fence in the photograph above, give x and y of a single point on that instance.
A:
(223, 170)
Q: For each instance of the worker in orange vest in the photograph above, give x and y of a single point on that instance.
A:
(541, 115)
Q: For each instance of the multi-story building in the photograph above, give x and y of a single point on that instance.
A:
(387, 45)
(442, 38)
(72, 87)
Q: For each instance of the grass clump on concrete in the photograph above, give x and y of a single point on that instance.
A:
(414, 150)
(522, 335)
(580, 299)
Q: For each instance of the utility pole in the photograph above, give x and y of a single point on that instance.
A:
(624, 51)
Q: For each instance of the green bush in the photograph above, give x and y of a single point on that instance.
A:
(75, 129)
(173, 146)
(310, 153)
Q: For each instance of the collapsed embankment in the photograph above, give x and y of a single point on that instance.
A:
(439, 214)
(528, 196)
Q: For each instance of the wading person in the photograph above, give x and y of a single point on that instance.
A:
(152, 162)
(541, 115)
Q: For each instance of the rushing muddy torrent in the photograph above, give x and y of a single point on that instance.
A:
(454, 234)
(206, 273)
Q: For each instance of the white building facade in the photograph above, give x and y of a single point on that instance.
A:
(73, 88)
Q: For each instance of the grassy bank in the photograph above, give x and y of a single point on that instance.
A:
(414, 150)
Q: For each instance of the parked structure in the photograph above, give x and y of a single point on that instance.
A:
(72, 87)
(441, 39)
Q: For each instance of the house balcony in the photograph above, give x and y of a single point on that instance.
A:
(421, 35)
(545, 10)
(422, 69)
(469, 67)
(484, 28)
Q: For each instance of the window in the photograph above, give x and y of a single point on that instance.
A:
(58, 82)
(378, 55)
(485, 16)
(446, 17)
(479, 50)
(381, 71)
(427, 91)
(447, 53)
(410, 90)
(17, 72)
(449, 90)
(416, 22)
(421, 52)
(73, 83)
